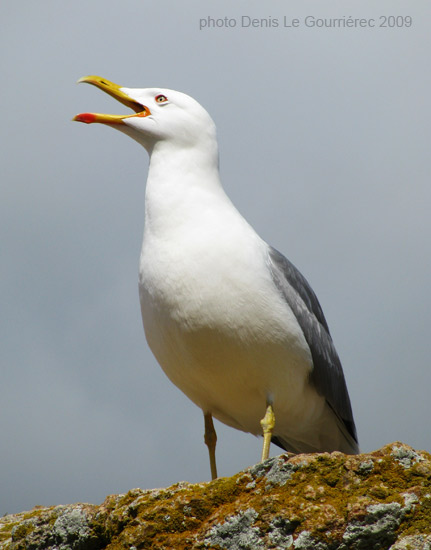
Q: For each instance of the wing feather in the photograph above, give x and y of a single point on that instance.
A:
(327, 375)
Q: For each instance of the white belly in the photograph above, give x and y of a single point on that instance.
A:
(224, 336)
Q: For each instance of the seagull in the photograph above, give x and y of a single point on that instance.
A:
(231, 321)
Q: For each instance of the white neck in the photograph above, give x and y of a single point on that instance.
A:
(181, 182)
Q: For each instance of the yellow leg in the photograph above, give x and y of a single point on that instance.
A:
(210, 441)
(267, 423)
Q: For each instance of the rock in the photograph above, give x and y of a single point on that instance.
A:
(328, 501)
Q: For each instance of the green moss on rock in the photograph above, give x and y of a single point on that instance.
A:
(319, 501)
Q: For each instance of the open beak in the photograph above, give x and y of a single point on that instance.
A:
(115, 91)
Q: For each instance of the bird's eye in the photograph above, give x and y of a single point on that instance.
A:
(161, 98)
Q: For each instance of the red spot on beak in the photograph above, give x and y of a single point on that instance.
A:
(88, 118)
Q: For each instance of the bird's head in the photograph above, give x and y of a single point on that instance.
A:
(160, 115)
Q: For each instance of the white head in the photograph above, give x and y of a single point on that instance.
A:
(161, 116)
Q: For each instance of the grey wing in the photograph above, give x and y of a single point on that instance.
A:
(327, 374)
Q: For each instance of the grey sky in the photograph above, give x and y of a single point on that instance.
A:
(324, 144)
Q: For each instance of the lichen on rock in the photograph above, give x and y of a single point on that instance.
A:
(326, 501)
(236, 533)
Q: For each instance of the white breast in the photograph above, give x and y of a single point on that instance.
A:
(216, 322)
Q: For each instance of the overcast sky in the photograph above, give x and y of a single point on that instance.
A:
(324, 140)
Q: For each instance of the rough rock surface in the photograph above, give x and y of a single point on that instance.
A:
(375, 501)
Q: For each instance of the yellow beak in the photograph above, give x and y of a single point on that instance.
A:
(115, 91)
